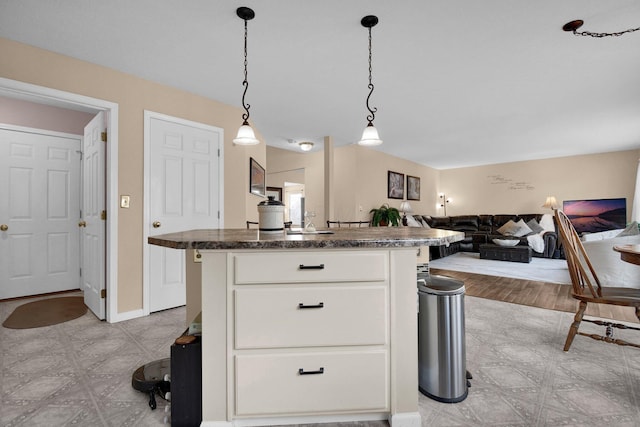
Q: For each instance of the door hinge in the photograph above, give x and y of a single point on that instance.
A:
(103, 293)
(218, 152)
(103, 215)
(103, 136)
(218, 214)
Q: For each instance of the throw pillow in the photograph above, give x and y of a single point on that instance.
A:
(522, 229)
(423, 220)
(631, 230)
(534, 226)
(412, 222)
(509, 228)
(547, 222)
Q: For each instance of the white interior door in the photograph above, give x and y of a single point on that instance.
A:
(93, 224)
(39, 211)
(184, 193)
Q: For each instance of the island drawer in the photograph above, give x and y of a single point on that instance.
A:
(312, 266)
(311, 383)
(310, 316)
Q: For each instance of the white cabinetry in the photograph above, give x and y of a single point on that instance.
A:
(311, 332)
(308, 335)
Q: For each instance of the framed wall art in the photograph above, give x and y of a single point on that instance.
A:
(395, 185)
(256, 178)
(413, 187)
(276, 192)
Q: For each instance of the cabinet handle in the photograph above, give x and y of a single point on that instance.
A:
(301, 371)
(320, 305)
(311, 267)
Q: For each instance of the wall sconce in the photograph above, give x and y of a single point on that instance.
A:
(443, 202)
(550, 203)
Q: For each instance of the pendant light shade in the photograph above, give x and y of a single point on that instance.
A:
(245, 136)
(370, 135)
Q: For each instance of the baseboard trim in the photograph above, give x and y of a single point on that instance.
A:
(406, 419)
(312, 419)
(127, 315)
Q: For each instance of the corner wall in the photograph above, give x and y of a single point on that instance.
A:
(134, 95)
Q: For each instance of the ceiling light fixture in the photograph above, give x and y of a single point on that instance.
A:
(245, 136)
(306, 145)
(575, 24)
(370, 135)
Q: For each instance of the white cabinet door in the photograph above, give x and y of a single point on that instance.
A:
(39, 205)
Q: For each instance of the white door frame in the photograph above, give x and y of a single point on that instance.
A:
(148, 115)
(41, 94)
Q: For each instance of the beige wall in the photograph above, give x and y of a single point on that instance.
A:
(134, 95)
(522, 187)
(361, 182)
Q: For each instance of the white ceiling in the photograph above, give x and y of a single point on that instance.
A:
(457, 82)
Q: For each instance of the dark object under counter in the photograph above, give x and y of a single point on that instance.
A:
(186, 384)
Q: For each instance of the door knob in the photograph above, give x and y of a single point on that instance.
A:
(156, 224)
(4, 227)
(82, 224)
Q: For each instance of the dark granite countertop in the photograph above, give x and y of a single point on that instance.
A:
(368, 237)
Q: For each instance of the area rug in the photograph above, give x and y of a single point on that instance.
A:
(46, 312)
(539, 269)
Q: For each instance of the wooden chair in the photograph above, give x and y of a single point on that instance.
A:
(347, 224)
(587, 289)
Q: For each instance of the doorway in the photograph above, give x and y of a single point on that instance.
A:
(42, 95)
(39, 205)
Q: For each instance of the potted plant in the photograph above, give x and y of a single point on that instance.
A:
(385, 215)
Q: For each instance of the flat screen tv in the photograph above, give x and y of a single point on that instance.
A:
(592, 216)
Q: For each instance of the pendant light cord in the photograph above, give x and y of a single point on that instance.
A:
(600, 35)
(371, 116)
(245, 83)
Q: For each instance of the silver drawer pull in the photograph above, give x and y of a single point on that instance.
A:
(301, 371)
(302, 305)
(311, 267)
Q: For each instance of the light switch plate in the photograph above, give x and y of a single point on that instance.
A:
(124, 201)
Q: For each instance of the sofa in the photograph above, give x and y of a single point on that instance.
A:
(480, 229)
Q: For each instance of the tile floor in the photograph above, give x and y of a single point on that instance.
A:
(79, 372)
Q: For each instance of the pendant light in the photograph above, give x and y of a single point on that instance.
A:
(245, 136)
(370, 135)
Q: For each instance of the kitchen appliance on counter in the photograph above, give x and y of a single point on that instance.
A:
(271, 216)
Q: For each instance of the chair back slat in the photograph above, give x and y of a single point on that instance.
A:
(583, 275)
(347, 224)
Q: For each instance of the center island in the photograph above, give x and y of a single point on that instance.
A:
(306, 328)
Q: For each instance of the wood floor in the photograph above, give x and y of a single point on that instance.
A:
(551, 296)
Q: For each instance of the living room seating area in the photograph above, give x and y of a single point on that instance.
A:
(538, 231)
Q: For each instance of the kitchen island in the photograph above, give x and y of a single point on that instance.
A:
(306, 328)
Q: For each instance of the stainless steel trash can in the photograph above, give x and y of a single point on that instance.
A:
(441, 338)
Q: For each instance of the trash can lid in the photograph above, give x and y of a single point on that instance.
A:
(441, 285)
